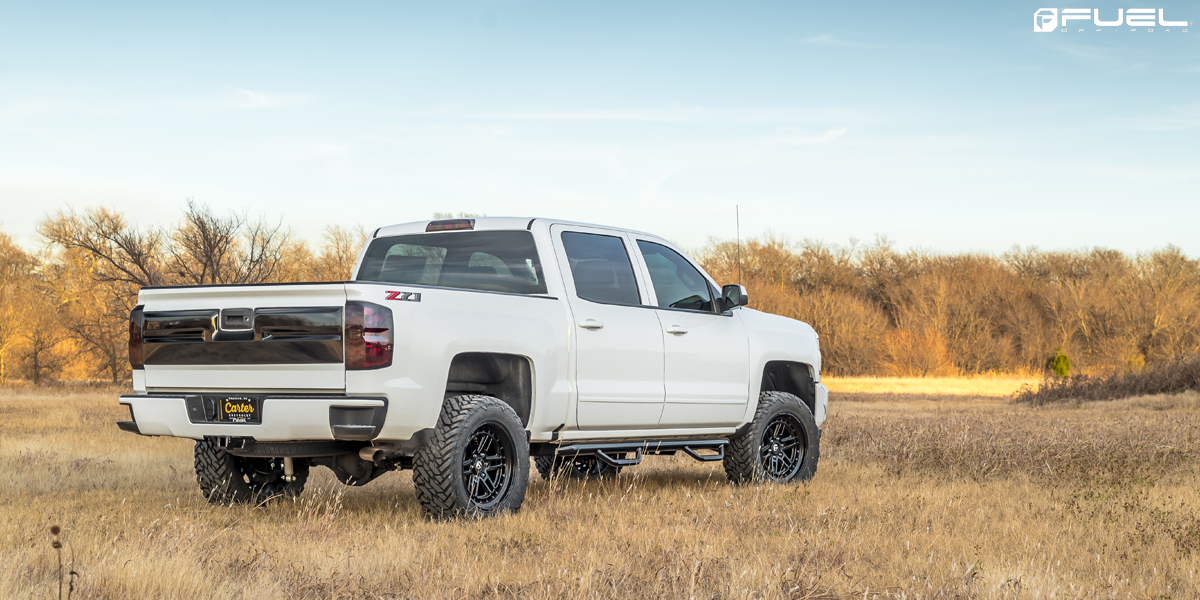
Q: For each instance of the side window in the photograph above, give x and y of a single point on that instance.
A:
(676, 282)
(600, 267)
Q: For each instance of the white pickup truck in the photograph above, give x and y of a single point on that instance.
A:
(464, 347)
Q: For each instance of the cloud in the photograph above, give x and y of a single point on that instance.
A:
(242, 99)
(833, 40)
(675, 114)
(32, 108)
(792, 137)
(1175, 118)
(315, 150)
(1096, 54)
(1083, 52)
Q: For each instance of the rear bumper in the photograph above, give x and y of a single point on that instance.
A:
(283, 418)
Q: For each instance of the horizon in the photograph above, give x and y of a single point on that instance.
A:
(316, 241)
(966, 133)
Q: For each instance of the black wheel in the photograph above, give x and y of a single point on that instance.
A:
(781, 444)
(476, 462)
(228, 479)
(575, 467)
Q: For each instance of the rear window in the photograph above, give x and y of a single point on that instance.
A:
(492, 261)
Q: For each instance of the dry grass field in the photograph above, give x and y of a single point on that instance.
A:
(926, 489)
(914, 388)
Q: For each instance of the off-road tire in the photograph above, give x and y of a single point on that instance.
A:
(227, 479)
(441, 463)
(743, 457)
(575, 467)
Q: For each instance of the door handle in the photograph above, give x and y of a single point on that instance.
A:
(677, 330)
(591, 324)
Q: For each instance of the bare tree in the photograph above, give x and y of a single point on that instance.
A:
(339, 252)
(92, 313)
(97, 264)
(11, 326)
(209, 249)
(1160, 301)
(852, 329)
(39, 341)
(260, 254)
(123, 253)
(16, 270)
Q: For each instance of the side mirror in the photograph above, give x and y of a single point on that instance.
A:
(734, 296)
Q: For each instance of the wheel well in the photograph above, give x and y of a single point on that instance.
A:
(792, 377)
(504, 376)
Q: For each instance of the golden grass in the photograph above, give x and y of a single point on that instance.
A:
(991, 386)
(959, 498)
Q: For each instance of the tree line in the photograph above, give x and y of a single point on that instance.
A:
(64, 308)
(880, 311)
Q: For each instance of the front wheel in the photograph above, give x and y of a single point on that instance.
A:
(476, 463)
(781, 444)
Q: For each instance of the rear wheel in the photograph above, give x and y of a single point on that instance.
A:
(228, 479)
(476, 462)
(781, 444)
(575, 467)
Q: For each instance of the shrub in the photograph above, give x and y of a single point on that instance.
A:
(1060, 363)
(1170, 377)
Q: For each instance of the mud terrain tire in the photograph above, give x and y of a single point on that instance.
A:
(476, 463)
(227, 479)
(781, 444)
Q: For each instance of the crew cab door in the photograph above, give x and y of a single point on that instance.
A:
(707, 355)
(618, 341)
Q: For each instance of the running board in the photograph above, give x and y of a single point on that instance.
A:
(609, 452)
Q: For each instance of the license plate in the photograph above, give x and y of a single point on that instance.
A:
(239, 409)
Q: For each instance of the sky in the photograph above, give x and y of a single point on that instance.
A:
(945, 126)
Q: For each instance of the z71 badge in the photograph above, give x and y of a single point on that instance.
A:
(404, 296)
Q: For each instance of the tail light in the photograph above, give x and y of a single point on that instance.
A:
(136, 358)
(368, 336)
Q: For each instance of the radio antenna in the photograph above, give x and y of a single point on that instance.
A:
(737, 218)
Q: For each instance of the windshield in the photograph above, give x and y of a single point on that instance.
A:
(493, 261)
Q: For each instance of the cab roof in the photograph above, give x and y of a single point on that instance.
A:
(492, 224)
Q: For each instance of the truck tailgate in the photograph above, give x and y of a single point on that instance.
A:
(247, 338)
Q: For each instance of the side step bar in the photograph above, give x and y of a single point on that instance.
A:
(610, 452)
